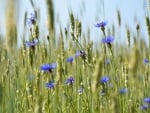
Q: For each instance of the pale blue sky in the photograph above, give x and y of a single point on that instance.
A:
(88, 11)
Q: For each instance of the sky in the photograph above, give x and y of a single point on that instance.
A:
(88, 11)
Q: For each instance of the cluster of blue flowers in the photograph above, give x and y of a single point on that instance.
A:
(31, 20)
(106, 80)
(70, 81)
(146, 104)
(50, 67)
(106, 40)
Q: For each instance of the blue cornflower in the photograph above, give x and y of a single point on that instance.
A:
(108, 40)
(50, 85)
(147, 100)
(31, 20)
(70, 59)
(104, 79)
(144, 107)
(70, 80)
(101, 24)
(146, 61)
(48, 67)
(123, 91)
(78, 53)
(81, 53)
(32, 43)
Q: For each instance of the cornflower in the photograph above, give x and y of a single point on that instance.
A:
(104, 79)
(70, 59)
(48, 67)
(101, 24)
(146, 61)
(70, 80)
(31, 43)
(107, 40)
(31, 20)
(50, 85)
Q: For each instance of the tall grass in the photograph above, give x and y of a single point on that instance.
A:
(23, 84)
(11, 29)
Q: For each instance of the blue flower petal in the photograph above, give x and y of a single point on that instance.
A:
(146, 61)
(31, 19)
(32, 43)
(70, 59)
(53, 65)
(144, 107)
(104, 79)
(108, 39)
(147, 100)
(70, 80)
(48, 67)
(50, 85)
(80, 53)
(101, 24)
(45, 67)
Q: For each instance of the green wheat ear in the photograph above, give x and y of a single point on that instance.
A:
(72, 21)
(36, 31)
(128, 36)
(50, 8)
(97, 74)
(11, 29)
(119, 17)
(148, 27)
(134, 61)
